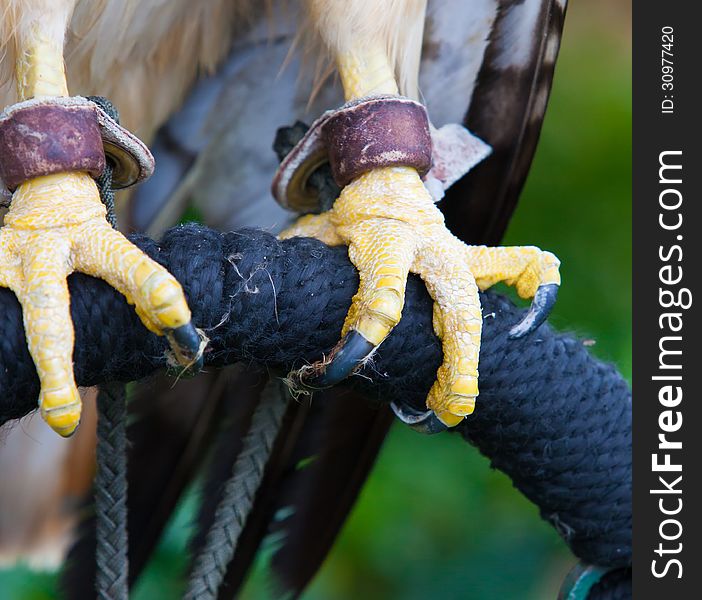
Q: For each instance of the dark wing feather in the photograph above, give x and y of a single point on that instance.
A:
(311, 488)
(345, 445)
(219, 470)
(507, 111)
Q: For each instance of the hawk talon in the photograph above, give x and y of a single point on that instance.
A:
(186, 344)
(346, 357)
(421, 421)
(538, 312)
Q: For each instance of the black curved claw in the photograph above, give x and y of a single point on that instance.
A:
(185, 342)
(421, 421)
(540, 308)
(347, 355)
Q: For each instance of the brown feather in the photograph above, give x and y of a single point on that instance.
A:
(344, 448)
(507, 111)
(264, 506)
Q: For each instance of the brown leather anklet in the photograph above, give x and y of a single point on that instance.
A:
(379, 132)
(40, 138)
(364, 134)
(370, 133)
(49, 135)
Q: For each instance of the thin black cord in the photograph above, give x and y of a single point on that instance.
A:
(210, 565)
(111, 579)
(111, 554)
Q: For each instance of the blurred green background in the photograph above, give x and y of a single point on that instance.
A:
(442, 524)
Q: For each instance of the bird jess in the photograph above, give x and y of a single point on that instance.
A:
(386, 216)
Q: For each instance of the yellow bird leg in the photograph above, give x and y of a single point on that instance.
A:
(392, 227)
(366, 72)
(40, 67)
(56, 224)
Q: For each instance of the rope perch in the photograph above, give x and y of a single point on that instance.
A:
(554, 419)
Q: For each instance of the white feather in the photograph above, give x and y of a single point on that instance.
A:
(520, 24)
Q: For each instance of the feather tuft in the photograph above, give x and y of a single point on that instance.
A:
(337, 25)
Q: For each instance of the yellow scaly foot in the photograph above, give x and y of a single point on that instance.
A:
(392, 227)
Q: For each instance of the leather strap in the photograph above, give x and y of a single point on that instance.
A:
(61, 134)
(41, 138)
(362, 135)
(375, 132)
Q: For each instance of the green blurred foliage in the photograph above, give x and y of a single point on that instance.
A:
(434, 521)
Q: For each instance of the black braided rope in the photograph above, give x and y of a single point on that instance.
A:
(210, 565)
(104, 182)
(557, 421)
(111, 580)
(111, 554)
